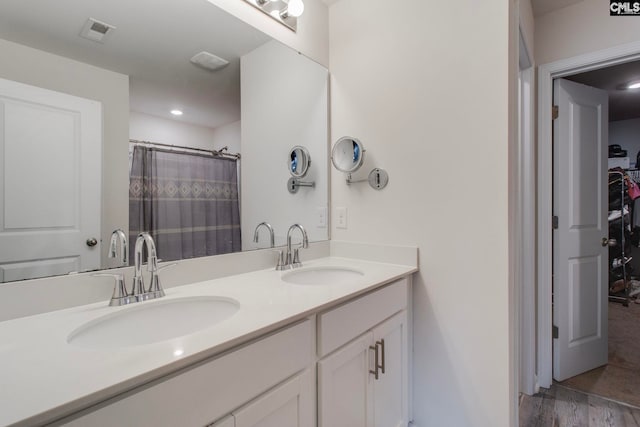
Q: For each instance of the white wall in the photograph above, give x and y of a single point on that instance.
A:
(626, 133)
(35, 67)
(428, 93)
(289, 110)
(581, 28)
(228, 135)
(312, 37)
(145, 127)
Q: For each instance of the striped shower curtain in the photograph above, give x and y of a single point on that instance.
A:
(187, 202)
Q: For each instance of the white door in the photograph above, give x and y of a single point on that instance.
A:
(580, 288)
(345, 397)
(50, 182)
(288, 405)
(390, 389)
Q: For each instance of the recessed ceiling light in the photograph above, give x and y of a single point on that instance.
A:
(176, 112)
(634, 85)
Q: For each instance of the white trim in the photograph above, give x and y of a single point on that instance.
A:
(546, 74)
(524, 58)
(526, 235)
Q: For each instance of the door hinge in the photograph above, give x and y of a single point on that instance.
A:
(554, 331)
(554, 222)
(555, 112)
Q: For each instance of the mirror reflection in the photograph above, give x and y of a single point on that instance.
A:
(299, 161)
(130, 116)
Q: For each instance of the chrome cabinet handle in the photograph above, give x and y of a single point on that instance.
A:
(381, 344)
(91, 242)
(379, 362)
(376, 365)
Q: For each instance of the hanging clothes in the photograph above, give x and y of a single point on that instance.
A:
(187, 202)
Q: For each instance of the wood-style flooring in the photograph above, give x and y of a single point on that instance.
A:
(563, 407)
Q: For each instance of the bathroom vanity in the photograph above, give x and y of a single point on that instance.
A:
(326, 344)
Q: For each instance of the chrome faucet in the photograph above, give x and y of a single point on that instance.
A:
(121, 295)
(139, 291)
(118, 236)
(270, 228)
(293, 259)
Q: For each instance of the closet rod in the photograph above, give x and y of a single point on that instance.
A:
(215, 153)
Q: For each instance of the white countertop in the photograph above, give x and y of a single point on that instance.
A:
(42, 377)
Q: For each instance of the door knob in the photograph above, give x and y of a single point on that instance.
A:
(91, 242)
(609, 242)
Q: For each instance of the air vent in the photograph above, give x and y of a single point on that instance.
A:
(209, 61)
(96, 31)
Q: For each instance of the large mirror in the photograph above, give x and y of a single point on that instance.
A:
(171, 117)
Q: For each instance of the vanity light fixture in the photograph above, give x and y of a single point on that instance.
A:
(176, 112)
(284, 11)
(294, 8)
(634, 85)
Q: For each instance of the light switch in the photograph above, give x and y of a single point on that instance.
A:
(341, 217)
(322, 217)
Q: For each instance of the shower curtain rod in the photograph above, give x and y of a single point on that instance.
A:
(216, 153)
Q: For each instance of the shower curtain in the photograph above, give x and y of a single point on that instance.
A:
(187, 202)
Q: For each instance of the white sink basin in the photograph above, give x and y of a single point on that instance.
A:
(153, 321)
(327, 275)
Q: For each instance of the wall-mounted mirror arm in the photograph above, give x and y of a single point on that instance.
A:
(350, 180)
(347, 156)
(377, 179)
(294, 184)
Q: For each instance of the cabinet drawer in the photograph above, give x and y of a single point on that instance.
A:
(206, 392)
(342, 324)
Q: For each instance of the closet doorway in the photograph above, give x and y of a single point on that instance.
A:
(596, 259)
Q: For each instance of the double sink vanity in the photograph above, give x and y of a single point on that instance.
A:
(325, 344)
(245, 338)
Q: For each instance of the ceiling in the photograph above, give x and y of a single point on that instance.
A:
(623, 104)
(152, 43)
(540, 7)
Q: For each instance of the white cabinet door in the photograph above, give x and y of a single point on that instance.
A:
(344, 384)
(349, 393)
(287, 405)
(390, 390)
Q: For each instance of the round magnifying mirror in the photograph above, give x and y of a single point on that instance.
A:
(347, 154)
(299, 161)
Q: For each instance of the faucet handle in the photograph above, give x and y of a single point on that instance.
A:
(155, 289)
(296, 258)
(280, 264)
(120, 295)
